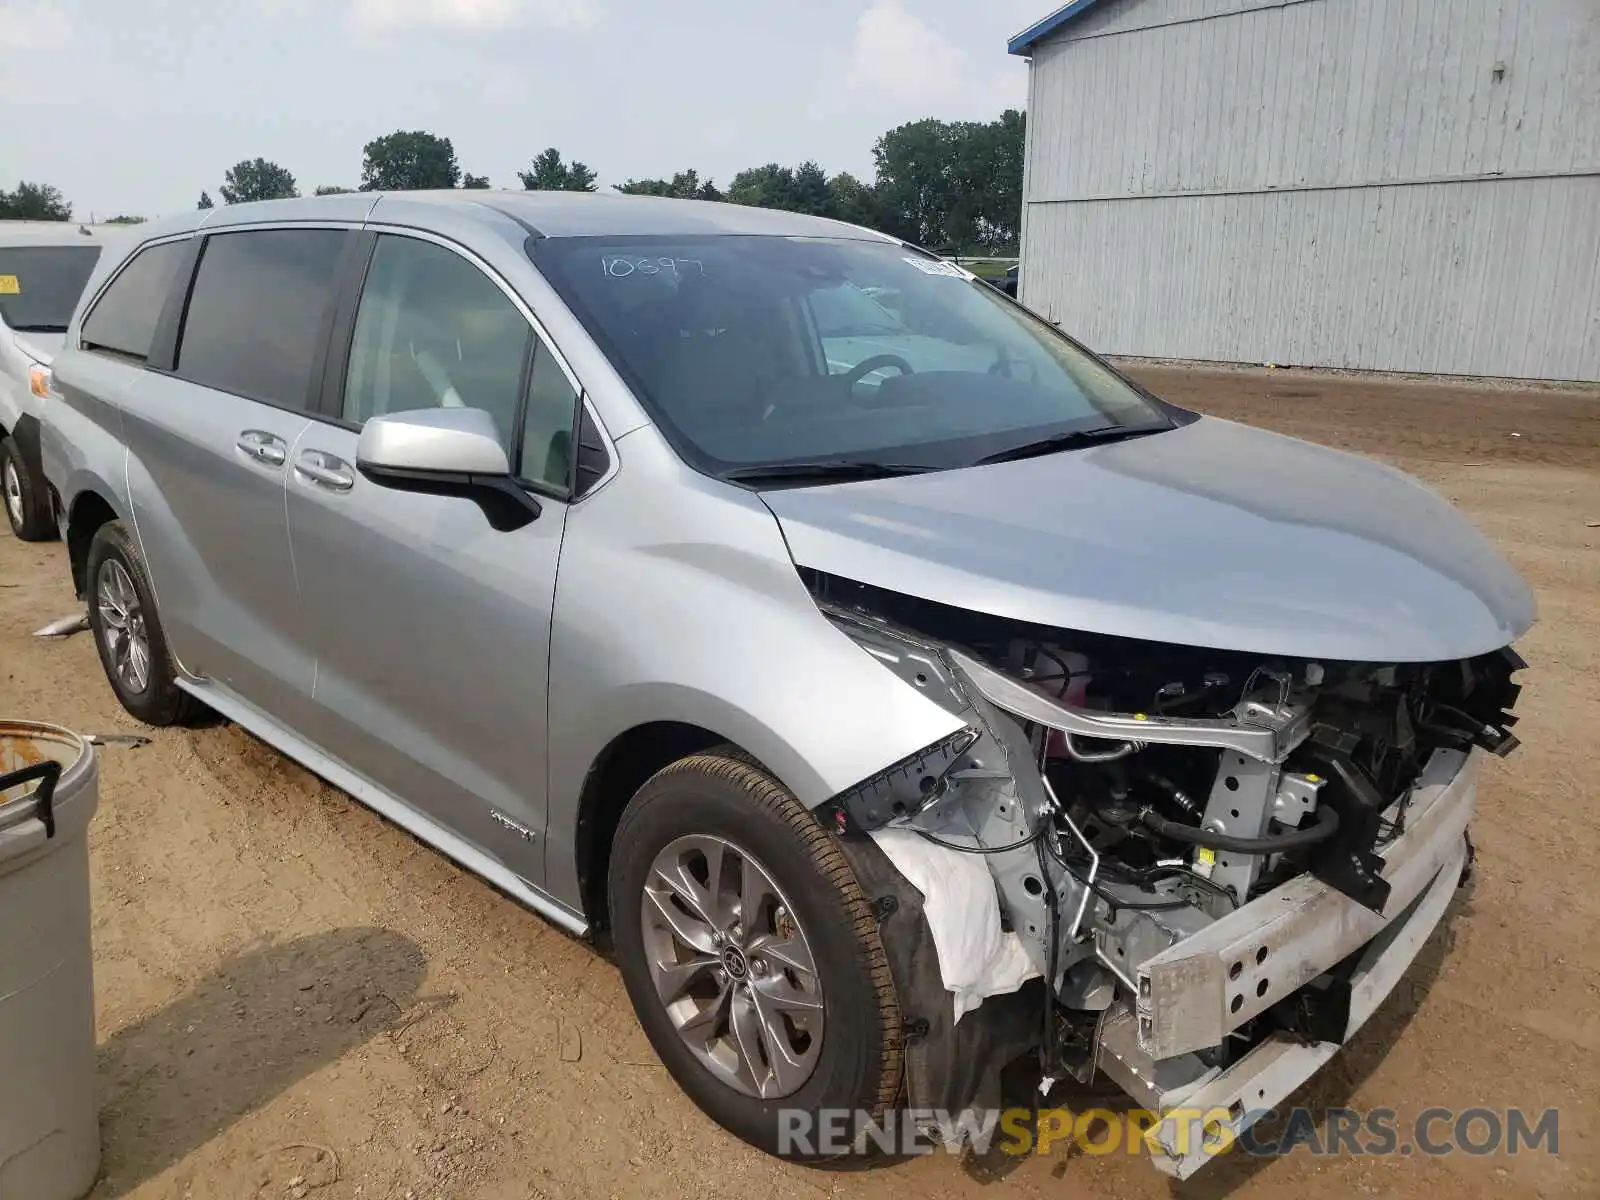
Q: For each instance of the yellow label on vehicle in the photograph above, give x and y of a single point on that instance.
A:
(10, 286)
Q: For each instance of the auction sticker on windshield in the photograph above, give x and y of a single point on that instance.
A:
(10, 286)
(934, 267)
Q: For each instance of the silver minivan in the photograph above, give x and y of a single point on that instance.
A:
(902, 690)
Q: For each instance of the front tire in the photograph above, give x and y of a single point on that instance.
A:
(127, 631)
(27, 507)
(752, 956)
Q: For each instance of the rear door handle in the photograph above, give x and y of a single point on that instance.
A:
(325, 470)
(262, 446)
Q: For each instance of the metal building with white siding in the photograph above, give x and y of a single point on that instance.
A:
(1396, 185)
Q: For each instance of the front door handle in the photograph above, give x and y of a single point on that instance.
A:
(325, 470)
(262, 446)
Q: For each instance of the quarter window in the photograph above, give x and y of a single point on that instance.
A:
(123, 321)
(433, 331)
(258, 312)
(547, 428)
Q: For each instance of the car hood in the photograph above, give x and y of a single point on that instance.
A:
(41, 347)
(1212, 534)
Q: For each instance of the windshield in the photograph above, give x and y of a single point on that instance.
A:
(40, 285)
(756, 351)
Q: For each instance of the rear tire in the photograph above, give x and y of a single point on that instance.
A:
(809, 909)
(26, 502)
(127, 631)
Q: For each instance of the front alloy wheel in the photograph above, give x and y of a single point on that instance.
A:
(27, 508)
(12, 483)
(752, 956)
(732, 967)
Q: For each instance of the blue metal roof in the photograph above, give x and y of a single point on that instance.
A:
(1030, 37)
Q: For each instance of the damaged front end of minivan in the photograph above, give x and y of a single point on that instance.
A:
(1218, 863)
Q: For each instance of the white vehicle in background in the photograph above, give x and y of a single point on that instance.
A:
(43, 267)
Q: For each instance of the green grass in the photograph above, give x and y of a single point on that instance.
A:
(988, 270)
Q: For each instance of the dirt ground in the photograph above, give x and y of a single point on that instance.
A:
(295, 998)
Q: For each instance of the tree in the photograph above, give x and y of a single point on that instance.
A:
(685, 185)
(331, 189)
(126, 221)
(811, 193)
(855, 202)
(802, 189)
(476, 183)
(953, 183)
(34, 202)
(985, 211)
(257, 179)
(205, 201)
(770, 186)
(1003, 195)
(409, 161)
(551, 173)
(914, 180)
(580, 178)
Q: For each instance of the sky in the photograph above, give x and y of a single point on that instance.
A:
(136, 106)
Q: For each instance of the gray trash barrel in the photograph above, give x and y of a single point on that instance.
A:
(49, 1119)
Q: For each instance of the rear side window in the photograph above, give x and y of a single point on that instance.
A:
(256, 317)
(124, 319)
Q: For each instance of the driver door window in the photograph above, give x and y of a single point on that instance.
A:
(433, 331)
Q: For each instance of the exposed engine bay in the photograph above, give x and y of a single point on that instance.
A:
(1200, 851)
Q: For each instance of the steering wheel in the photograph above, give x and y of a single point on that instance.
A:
(876, 363)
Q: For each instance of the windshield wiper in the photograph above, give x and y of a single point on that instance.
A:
(38, 328)
(830, 469)
(1069, 440)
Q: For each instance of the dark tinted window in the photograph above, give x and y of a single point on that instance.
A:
(258, 311)
(40, 285)
(124, 318)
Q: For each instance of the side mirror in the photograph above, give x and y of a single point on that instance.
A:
(446, 452)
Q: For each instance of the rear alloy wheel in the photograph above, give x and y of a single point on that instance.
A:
(752, 956)
(127, 640)
(127, 631)
(26, 513)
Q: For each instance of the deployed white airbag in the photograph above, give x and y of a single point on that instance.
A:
(977, 958)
